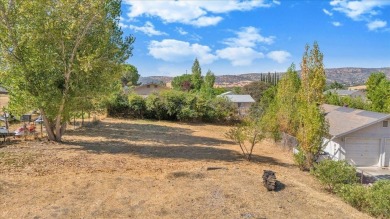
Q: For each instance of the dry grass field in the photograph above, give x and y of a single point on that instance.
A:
(148, 169)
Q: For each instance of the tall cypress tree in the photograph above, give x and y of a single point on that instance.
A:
(197, 80)
(312, 126)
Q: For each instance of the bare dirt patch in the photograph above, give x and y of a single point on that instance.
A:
(148, 169)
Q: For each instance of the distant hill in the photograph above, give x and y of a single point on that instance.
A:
(353, 76)
(348, 76)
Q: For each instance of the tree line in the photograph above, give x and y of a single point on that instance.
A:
(291, 107)
(377, 93)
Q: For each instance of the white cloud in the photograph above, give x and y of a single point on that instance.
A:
(147, 29)
(374, 25)
(240, 50)
(327, 12)
(336, 24)
(171, 50)
(358, 9)
(239, 56)
(181, 31)
(206, 21)
(197, 13)
(279, 56)
(248, 37)
(276, 2)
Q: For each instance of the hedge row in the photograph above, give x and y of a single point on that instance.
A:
(340, 177)
(173, 105)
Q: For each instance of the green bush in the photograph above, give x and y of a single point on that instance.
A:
(173, 105)
(220, 109)
(330, 173)
(155, 108)
(118, 106)
(173, 102)
(300, 159)
(137, 105)
(378, 199)
(374, 200)
(354, 194)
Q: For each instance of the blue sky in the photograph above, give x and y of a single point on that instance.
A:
(236, 37)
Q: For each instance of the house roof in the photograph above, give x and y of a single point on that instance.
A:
(148, 81)
(226, 93)
(240, 98)
(342, 92)
(344, 120)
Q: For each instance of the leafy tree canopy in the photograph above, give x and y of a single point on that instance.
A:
(378, 92)
(60, 56)
(182, 82)
(197, 80)
(130, 75)
(334, 85)
(255, 89)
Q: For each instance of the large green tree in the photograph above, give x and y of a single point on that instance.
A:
(378, 92)
(255, 89)
(182, 82)
(196, 79)
(312, 126)
(208, 84)
(313, 75)
(287, 101)
(57, 54)
(130, 75)
(209, 79)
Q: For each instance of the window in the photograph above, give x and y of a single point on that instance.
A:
(385, 124)
(155, 86)
(148, 86)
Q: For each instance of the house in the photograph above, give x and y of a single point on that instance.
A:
(145, 89)
(360, 137)
(348, 93)
(242, 102)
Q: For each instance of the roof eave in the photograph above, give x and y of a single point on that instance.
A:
(361, 127)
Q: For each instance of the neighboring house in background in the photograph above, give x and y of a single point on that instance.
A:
(348, 93)
(360, 137)
(243, 102)
(145, 90)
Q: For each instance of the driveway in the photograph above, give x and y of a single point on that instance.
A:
(377, 172)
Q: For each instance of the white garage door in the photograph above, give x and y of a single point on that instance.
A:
(387, 152)
(362, 151)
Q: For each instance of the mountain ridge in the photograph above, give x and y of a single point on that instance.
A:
(348, 76)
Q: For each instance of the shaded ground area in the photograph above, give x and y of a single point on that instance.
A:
(148, 169)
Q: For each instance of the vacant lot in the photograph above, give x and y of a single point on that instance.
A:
(145, 169)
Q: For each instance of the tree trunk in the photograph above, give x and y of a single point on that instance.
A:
(48, 125)
(54, 132)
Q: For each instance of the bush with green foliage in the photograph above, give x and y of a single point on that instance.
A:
(173, 105)
(378, 92)
(137, 105)
(331, 173)
(300, 159)
(378, 199)
(155, 108)
(374, 200)
(246, 135)
(353, 194)
(118, 106)
(356, 103)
